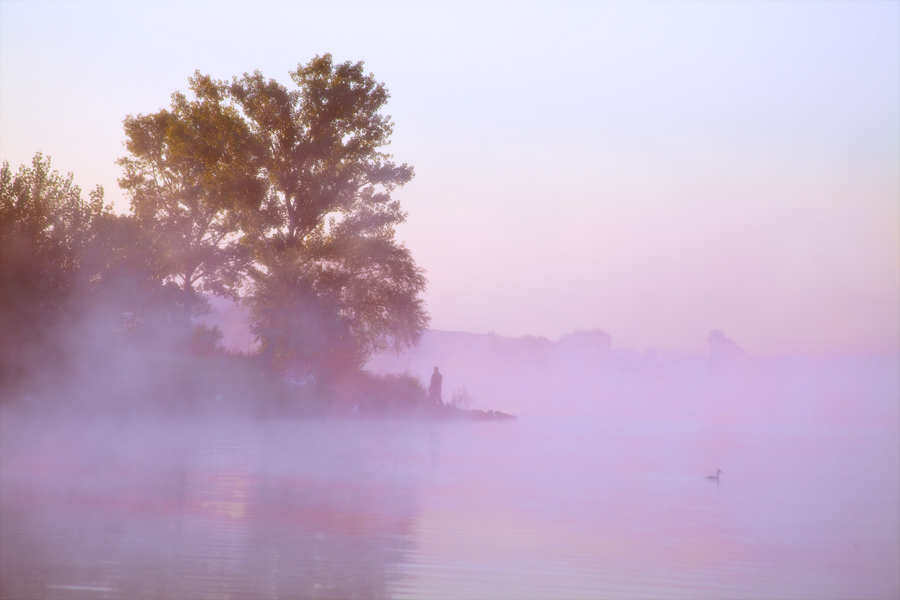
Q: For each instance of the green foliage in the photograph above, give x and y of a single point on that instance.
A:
(123, 280)
(206, 340)
(72, 272)
(331, 284)
(298, 325)
(390, 392)
(346, 296)
(320, 146)
(44, 226)
(191, 179)
(289, 193)
(245, 188)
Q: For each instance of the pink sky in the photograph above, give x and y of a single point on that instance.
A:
(653, 169)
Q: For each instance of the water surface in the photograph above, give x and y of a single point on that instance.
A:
(561, 507)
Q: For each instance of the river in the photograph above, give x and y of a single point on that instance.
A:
(540, 507)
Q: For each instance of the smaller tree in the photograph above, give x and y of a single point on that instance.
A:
(723, 349)
(44, 226)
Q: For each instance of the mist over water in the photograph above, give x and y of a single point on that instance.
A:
(195, 395)
(596, 490)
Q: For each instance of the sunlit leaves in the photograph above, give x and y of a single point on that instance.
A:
(190, 175)
(290, 188)
(330, 250)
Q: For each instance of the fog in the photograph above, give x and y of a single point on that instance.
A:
(127, 477)
(679, 221)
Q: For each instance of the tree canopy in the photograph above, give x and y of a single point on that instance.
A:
(279, 198)
(283, 196)
(191, 179)
(43, 226)
(67, 262)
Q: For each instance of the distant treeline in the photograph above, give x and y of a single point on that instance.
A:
(277, 198)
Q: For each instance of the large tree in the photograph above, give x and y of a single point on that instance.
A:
(331, 283)
(284, 196)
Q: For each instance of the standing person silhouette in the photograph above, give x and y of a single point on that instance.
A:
(434, 391)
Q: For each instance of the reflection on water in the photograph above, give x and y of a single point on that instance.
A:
(532, 508)
(226, 510)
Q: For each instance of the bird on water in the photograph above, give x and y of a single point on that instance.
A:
(716, 476)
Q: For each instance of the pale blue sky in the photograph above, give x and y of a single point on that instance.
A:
(656, 169)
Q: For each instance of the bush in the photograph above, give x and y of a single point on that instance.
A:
(461, 399)
(206, 340)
